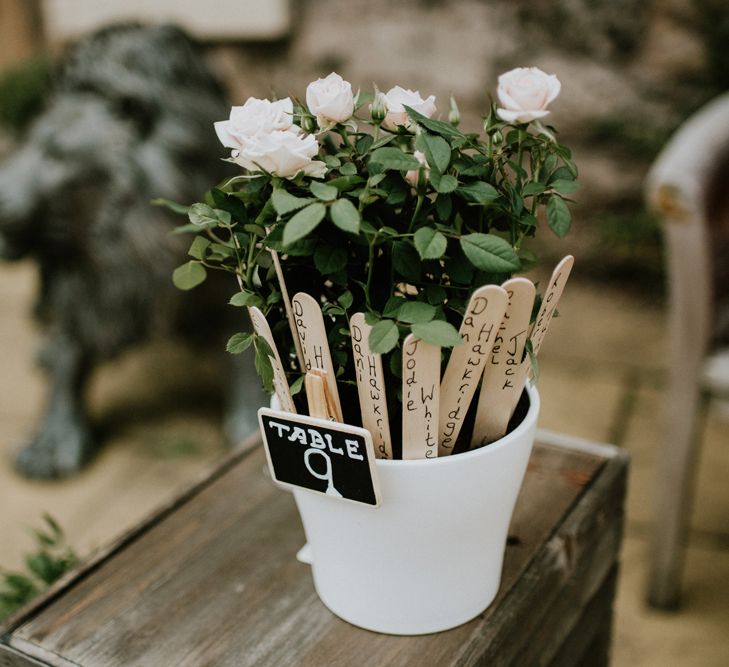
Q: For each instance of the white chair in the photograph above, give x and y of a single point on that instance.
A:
(688, 186)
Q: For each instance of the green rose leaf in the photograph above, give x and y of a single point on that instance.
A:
(445, 183)
(263, 364)
(393, 158)
(436, 126)
(438, 333)
(345, 215)
(323, 191)
(189, 275)
(202, 215)
(348, 169)
(490, 253)
(443, 207)
(430, 243)
(240, 299)
(534, 189)
(239, 342)
(364, 143)
(329, 259)
(558, 216)
(173, 206)
(565, 186)
(284, 202)
(346, 300)
(416, 312)
(406, 260)
(383, 337)
(198, 247)
(437, 151)
(563, 173)
(435, 294)
(393, 305)
(303, 222)
(297, 385)
(478, 192)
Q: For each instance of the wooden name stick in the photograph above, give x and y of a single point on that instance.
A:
(287, 304)
(546, 311)
(280, 385)
(549, 304)
(314, 346)
(370, 387)
(502, 380)
(484, 314)
(420, 398)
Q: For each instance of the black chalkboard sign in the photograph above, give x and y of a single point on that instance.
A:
(324, 456)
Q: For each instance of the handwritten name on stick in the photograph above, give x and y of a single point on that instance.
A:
(483, 316)
(333, 459)
(280, 384)
(370, 387)
(420, 398)
(314, 345)
(549, 304)
(502, 380)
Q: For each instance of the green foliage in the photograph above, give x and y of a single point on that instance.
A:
(189, 275)
(367, 238)
(51, 559)
(712, 21)
(22, 92)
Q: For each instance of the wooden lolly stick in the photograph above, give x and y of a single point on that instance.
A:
(484, 314)
(420, 398)
(287, 307)
(546, 311)
(503, 380)
(280, 385)
(549, 304)
(314, 346)
(370, 387)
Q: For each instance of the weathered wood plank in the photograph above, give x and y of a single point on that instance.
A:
(215, 582)
(98, 557)
(589, 641)
(9, 657)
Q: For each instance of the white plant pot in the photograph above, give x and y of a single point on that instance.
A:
(430, 557)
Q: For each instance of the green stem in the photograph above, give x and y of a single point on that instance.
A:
(236, 246)
(345, 136)
(519, 157)
(370, 269)
(416, 212)
(249, 262)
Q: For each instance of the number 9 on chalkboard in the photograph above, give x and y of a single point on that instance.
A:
(327, 457)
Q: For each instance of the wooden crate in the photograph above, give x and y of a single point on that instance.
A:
(212, 579)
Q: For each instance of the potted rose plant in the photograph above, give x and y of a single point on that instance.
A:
(373, 206)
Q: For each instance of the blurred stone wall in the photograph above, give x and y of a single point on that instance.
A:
(631, 71)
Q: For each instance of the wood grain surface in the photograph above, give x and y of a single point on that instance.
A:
(215, 581)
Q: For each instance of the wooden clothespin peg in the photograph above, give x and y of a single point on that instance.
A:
(320, 400)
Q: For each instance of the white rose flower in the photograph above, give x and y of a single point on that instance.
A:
(256, 117)
(525, 93)
(282, 153)
(397, 98)
(413, 175)
(330, 100)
